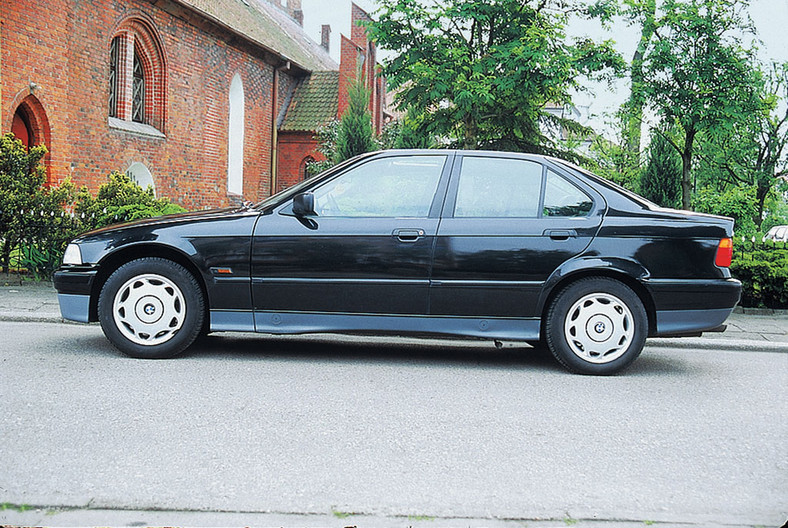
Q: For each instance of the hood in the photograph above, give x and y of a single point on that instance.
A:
(163, 220)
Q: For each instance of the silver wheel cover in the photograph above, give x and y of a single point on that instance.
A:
(149, 309)
(599, 328)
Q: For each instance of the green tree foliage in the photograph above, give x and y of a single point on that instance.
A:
(355, 135)
(660, 182)
(736, 202)
(120, 200)
(326, 137)
(751, 151)
(697, 75)
(481, 72)
(612, 161)
(408, 132)
(33, 224)
(643, 13)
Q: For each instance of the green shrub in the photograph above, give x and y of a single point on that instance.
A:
(34, 227)
(35, 222)
(763, 271)
(120, 200)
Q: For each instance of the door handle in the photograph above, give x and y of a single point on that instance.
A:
(408, 235)
(560, 234)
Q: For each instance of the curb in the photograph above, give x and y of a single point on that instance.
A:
(732, 345)
(31, 317)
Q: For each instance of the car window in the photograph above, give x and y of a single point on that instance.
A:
(498, 188)
(561, 198)
(389, 187)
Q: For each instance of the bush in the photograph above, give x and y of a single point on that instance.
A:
(120, 200)
(763, 271)
(34, 227)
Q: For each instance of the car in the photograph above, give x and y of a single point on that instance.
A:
(777, 233)
(492, 245)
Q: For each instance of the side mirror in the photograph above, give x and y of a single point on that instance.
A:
(304, 204)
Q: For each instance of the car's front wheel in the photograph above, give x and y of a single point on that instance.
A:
(596, 325)
(151, 308)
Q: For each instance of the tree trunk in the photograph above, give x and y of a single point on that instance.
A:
(634, 116)
(470, 139)
(686, 170)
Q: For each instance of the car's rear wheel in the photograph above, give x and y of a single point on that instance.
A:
(596, 325)
(151, 308)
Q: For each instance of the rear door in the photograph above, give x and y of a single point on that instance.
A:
(508, 223)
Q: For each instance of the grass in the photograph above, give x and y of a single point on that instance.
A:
(16, 507)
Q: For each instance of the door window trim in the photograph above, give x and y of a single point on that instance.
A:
(454, 182)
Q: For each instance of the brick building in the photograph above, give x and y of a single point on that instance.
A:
(323, 96)
(186, 95)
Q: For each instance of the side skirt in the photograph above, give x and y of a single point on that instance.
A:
(308, 323)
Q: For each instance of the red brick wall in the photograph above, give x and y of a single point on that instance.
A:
(294, 148)
(358, 45)
(63, 48)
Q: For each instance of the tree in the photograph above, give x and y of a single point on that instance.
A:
(751, 151)
(407, 132)
(481, 72)
(355, 134)
(697, 75)
(660, 182)
(643, 12)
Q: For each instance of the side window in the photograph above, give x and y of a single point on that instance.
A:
(498, 188)
(389, 187)
(561, 198)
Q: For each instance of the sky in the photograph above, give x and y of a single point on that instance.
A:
(770, 18)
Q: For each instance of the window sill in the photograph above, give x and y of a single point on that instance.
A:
(140, 129)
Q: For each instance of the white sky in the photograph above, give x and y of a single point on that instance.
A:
(769, 16)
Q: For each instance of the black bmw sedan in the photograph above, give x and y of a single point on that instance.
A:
(480, 244)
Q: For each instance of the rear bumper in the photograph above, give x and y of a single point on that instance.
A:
(74, 285)
(692, 306)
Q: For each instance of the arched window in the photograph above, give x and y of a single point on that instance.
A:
(235, 147)
(30, 125)
(21, 128)
(113, 77)
(303, 169)
(138, 91)
(139, 174)
(136, 79)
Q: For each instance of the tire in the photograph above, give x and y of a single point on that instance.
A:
(596, 326)
(151, 308)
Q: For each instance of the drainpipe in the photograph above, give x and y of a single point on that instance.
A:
(284, 65)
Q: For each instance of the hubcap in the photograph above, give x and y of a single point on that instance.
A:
(599, 328)
(149, 309)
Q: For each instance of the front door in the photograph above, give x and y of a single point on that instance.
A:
(366, 250)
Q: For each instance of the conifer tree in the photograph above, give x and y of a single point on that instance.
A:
(355, 128)
(661, 181)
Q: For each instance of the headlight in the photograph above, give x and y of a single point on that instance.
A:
(73, 255)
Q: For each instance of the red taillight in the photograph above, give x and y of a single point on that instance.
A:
(724, 253)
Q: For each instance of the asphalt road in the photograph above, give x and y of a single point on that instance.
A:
(401, 434)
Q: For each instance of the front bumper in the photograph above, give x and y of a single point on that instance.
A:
(74, 285)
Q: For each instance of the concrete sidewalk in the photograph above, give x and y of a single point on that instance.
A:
(748, 329)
